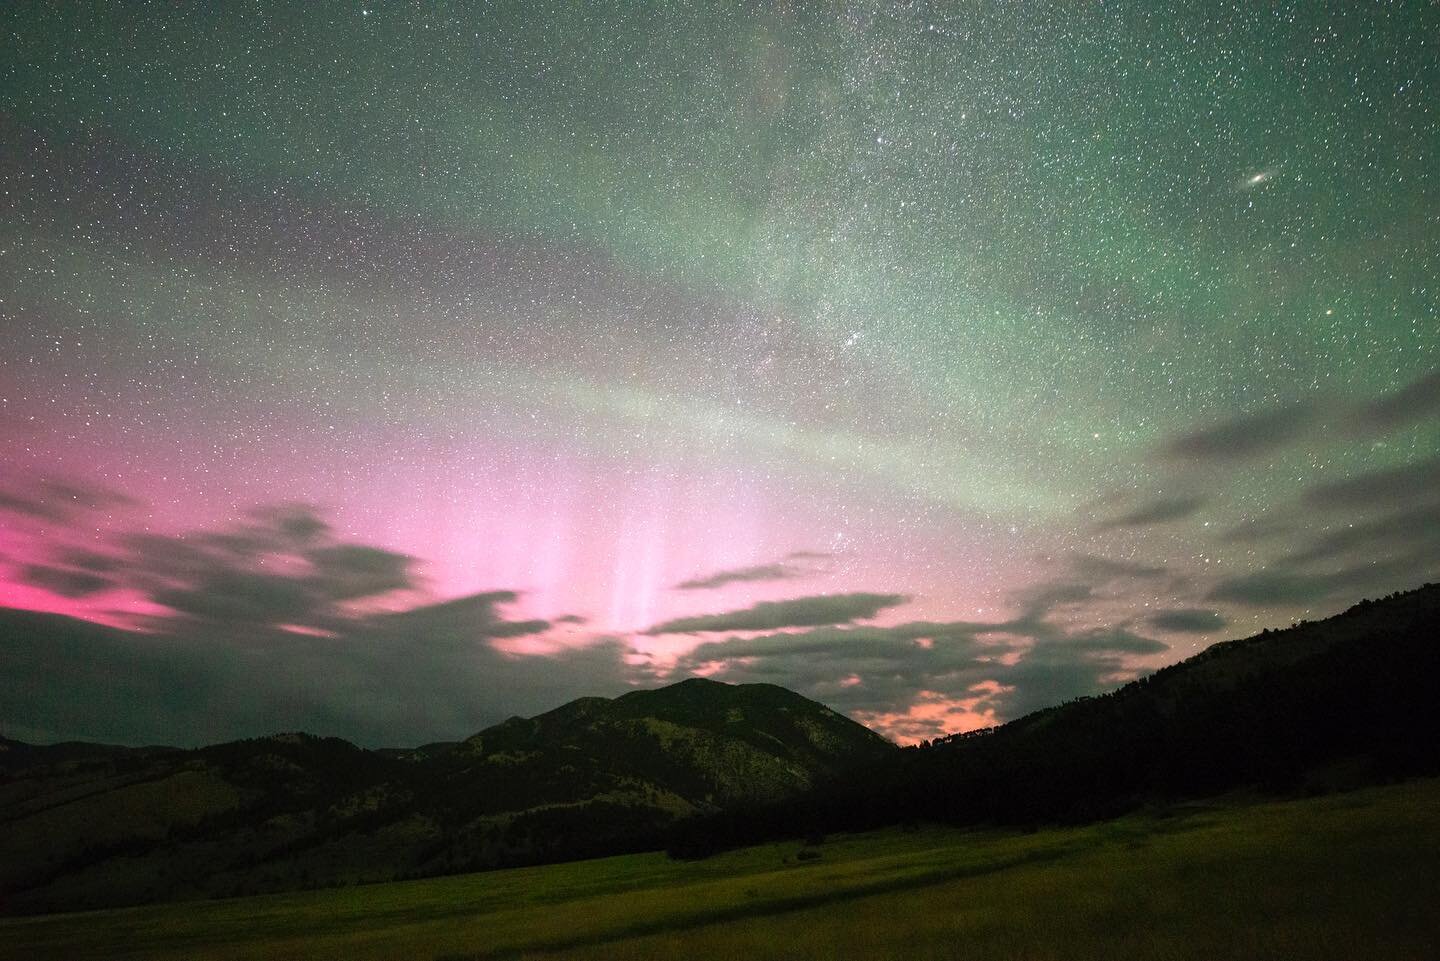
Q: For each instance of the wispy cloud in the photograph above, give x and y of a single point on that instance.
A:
(796, 612)
(1161, 510)
(1102, 569)
(53, 500)
(1188, 620)
(1415, 401)
(270, 631)
(741, 575)
(794, 565)
(1283, 585)
(1242, 436)
(895, 675)
(1380, 488)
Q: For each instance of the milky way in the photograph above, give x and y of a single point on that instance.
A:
(939, 363)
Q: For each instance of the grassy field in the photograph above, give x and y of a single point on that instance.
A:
(1349, 876)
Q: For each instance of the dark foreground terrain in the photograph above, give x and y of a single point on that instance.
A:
(1320, 706)
(701, 767)
(91, 826)
(1333, 878)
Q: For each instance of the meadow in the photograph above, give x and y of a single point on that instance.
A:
(1343, 876)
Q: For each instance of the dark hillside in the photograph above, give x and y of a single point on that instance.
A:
(84, 825)
(1338, 703)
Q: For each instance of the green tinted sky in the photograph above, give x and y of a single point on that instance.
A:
(954, 293)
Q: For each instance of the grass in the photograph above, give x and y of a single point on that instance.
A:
(1340, 877)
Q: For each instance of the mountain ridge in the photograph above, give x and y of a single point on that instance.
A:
(293, 810)
(1259, 713)
(706, 765)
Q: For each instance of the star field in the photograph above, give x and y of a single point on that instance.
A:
(1062, 325)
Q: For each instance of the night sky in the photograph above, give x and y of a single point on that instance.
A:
(386, 371)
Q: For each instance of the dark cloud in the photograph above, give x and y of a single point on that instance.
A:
(31, 507)
(278, 567)
(60, 501)
(88, 560)
(1102, 569)
(1379, 488)
(1406, 530)
(265, 637)
(786, 569)
(1246, 435)
(156, 560)
(1188, 620)
(1158, 511)
(797, 612)
(67, 582)
(403, 681)
(1012, 667)
(1348, 558)
(1282, 585)
(1268, 588)
(1062, 666)
(474, 616)
(296, 521)
(1415, 401)
(347, 571)
(83, 496)
(242, 597)
(979, 698)
(740, 575)
(1110, 640)
(893, 664)
(896, 643)
(1257, 529)
(1037, 600)
(1009, 667)
(1052, 676)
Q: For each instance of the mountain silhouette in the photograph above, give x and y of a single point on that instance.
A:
(1317, 707)
(701, 765)
(85, 825)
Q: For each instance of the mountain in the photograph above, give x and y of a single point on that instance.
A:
(704, 743)
(1320, 706)
(1342, 702)
(85, 825)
